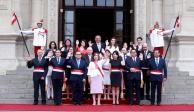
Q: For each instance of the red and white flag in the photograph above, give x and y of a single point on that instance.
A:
(178, 22)
(14, 18)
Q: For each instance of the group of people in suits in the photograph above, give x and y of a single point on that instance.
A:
(99, 69)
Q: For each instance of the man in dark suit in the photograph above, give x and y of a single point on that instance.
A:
(158, 73)
(98, 45)
(77, 77)
(88, 59)
(58, 74)
(145, 56)
(133, 65)
(125, 71)
(39, 74)
(139, 46)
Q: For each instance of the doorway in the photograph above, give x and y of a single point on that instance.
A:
(91, 22)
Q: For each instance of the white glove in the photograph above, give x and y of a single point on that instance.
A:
(90, 43)
(141, 56)
(77, 42)
(106, 42)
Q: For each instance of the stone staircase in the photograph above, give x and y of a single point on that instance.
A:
(179, 88)
(17, 87)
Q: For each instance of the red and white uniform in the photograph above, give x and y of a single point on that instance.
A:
(157, 38)
(40, 37)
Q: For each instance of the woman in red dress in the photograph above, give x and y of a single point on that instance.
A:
(82, 47)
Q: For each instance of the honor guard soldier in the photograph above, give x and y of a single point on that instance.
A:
(40, 36)
(133, 65)
(158, 73)
(39, 63)
(77, 77)
(58, 63)
(157, 37)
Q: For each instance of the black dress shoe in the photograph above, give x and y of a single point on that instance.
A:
(148, 97)
(43, 103)
(80, 103)
(152, 103)
(138, 103)
(57, 104)
(35, 103)
(158, 104)
(74, 103)
(130, 103)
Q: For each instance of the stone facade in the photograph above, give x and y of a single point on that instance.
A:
(146, 14)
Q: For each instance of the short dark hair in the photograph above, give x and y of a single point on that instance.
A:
(116, 52)
(156, 50)
(58, 50)
(139, 38)
(133, 50)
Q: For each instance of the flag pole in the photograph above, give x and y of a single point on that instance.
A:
(22, 35)
(171, 37)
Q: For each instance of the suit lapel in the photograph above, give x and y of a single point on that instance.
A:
(159, 62)
(76, 63)
(154, 62)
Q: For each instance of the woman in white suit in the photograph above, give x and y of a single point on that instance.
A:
(96, 77)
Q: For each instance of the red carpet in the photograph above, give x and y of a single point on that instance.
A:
(86, 107)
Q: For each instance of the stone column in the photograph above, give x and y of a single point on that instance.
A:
(52, 20)
(37, 11)
(8, 56)
(157, 11)
(181, 52)
(140, 19)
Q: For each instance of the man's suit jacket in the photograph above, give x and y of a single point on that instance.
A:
(161, 67)
(95, 47)
(129, 63)
(38, 64)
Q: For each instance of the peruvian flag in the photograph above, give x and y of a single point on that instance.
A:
(14, 18)
(178, 22)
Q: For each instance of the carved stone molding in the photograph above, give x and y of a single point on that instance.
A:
(53, 20)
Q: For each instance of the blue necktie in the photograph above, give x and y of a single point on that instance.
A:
(156, 60)
(58, 60)
(78, 63)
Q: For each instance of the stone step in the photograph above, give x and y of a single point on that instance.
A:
(17, 91)
(16, 96)
(19, 86)
(27, 76)
(16, 101)
(19, 72)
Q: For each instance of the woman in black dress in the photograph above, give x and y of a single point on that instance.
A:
(65, 47)
(115, 76)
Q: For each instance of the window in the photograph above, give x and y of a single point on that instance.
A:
(119, 24)
(110, 2)
(69, 25)
(88, 2)
(79, 2)
(69, 16)
(68, 29)
(119, 17)
(100, 2)
(119, 3)
(69, 2)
